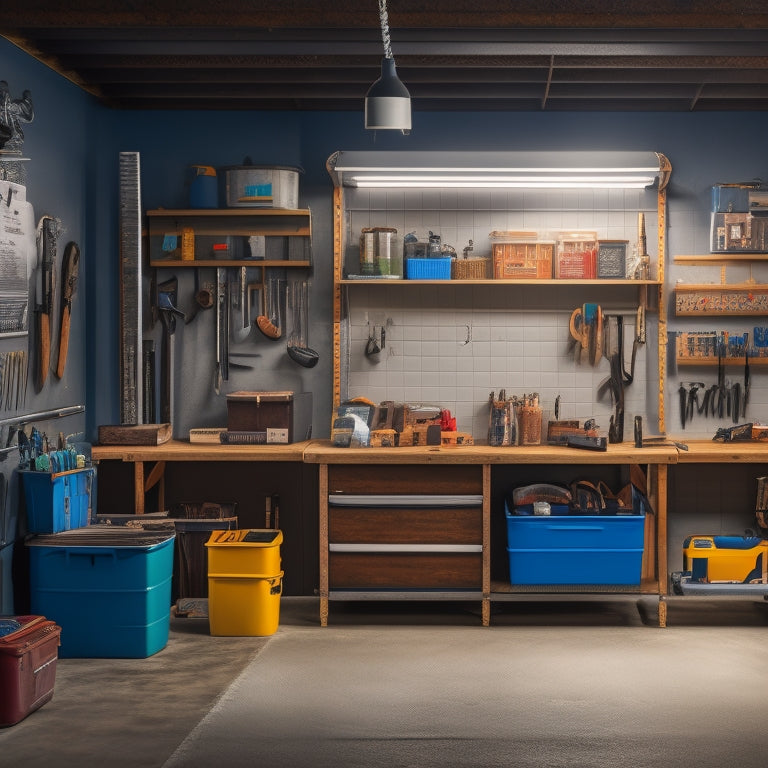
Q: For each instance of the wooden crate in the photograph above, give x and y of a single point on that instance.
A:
(522, 259)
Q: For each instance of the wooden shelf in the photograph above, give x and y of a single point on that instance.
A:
(713, 299)
(712, 361)
(719, 258)
(174, 263)
(242, 222)
(489, 281)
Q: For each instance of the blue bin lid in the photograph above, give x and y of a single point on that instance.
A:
(9, 626)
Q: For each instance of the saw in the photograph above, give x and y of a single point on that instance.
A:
(69, 270)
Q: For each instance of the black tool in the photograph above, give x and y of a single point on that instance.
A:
(166, 306)
(587, 443)
(746, 373)
(638, 431)
(734, 434)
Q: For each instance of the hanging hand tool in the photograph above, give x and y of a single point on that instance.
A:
(746, 373)
(47, 231)
(69, 271)
(614, 347)
(166, 306)
(203, 298)
(240, 321)
(221, 372)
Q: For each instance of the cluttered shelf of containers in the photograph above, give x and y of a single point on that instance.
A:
(511, 256)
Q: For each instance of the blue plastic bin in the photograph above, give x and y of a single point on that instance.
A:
(59, 501)
(107, 587)
(575, 549)
(428, 269)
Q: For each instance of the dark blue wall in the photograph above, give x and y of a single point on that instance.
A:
(74, 145)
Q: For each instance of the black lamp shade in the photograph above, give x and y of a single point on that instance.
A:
(388, 103)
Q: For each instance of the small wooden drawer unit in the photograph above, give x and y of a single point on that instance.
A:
(398, 534)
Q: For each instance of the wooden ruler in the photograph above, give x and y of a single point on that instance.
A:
(130, 289)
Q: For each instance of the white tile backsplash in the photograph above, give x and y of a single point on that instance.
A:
(455, 344)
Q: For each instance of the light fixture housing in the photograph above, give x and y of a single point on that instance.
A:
(500, 170)
(388, 103)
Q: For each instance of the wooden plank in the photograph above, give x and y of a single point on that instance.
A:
(404, 571)
(135, 434)
(404, 525)
(323, 543)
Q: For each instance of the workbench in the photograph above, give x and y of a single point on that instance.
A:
(471, 565)
(461, 558)
(184, 451)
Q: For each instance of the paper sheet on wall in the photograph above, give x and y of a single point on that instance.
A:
(18, 254)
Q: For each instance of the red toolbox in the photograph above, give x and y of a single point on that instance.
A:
(29, 649)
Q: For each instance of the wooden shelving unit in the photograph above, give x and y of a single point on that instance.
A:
(229, 222)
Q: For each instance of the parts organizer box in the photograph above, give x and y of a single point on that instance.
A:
(285, 417)
(575, 549)
(59, 501)
(29, 648)
(722, 558)
(107, 586)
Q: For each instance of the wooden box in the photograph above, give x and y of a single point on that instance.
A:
(286, 417)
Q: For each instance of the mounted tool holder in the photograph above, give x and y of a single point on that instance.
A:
(166, 300)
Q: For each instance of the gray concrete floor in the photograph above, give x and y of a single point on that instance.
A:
(551, 683)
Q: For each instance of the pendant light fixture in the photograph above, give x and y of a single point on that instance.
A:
(387, 103)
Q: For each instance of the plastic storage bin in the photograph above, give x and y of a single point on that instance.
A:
(521, 256)
(28, 653)
(725, 558)
(244, 582)
(575, 549)
(428, 269)
(59, 501)
(108, 587)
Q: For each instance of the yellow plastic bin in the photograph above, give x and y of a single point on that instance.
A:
(244, 582)
(245, 551)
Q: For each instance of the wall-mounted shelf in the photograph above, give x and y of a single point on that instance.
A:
(719, 258)
(287, 236)
(713, 361)
(548, 283)
(711, 299)
(165, 263)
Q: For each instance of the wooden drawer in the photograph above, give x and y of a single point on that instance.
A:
(406, 478)
(391, 525)
(402, 570)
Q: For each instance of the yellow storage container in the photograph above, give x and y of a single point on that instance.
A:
(244, 606)
(741, 559)
(245, 552)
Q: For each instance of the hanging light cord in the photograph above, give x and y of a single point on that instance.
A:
(385, 29)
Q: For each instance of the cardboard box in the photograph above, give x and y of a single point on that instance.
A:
(286, 417)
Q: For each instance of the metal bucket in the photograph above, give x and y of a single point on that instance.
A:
(262, 186)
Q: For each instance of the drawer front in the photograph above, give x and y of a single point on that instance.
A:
(405, 478)
(405, 525)
(355, 570)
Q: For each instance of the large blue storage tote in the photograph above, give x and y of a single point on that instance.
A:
(107, 587)
(575, 549)
(59, 501)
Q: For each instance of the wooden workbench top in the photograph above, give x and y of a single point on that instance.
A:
(322, 452)
(183, 450)
(712, 452)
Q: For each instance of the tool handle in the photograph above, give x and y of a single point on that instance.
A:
(63, 342)
(44, 321)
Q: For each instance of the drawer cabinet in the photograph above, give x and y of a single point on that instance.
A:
(403, 532)
(405, 542)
